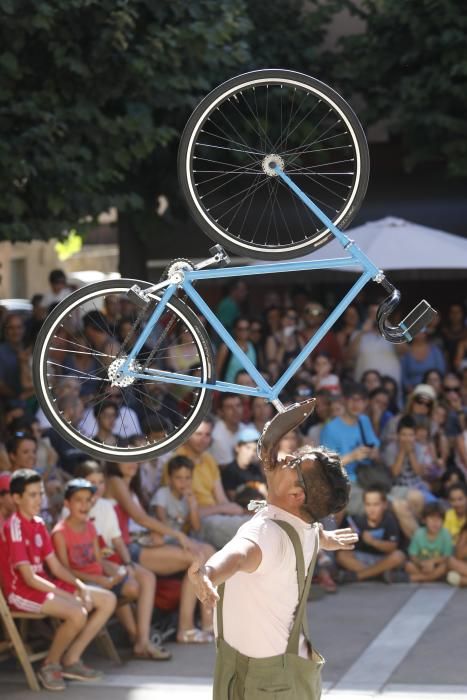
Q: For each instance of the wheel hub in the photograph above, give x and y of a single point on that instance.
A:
(119, 379)
(270, 162)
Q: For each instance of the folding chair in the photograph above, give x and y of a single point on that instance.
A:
(15, 626)
(14, 642)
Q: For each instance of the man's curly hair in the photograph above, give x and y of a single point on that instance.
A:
(327, 485)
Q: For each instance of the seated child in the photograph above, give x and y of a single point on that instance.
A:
(457, 565)
(430, 547)
(376, 553)
(176, 506)
(28, 588)
(76, 543)
(456, 516)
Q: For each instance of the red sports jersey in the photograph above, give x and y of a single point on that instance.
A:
(28, 542)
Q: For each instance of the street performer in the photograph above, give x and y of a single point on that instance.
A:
(261, 579)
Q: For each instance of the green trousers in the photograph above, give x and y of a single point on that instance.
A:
(284, 677)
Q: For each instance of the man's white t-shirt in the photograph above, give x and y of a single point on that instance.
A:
(258, 607)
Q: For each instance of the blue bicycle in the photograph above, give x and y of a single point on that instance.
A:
(273, 164)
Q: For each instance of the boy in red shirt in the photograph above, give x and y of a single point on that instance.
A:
(30, 588)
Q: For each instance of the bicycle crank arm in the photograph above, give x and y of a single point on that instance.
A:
(412, 324)
(219, 258)
(141, 297)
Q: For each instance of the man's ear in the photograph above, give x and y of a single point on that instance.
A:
(296, 496)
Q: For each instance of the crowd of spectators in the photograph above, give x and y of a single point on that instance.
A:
(395, 413)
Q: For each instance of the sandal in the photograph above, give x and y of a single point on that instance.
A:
(153, 653)
(195, 636)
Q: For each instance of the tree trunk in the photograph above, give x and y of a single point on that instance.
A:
(133, 254)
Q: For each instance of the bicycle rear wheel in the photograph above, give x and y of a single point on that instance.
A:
(77, 352)
(251, 121)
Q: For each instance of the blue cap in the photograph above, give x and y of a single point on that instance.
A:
(247, 435)
(78, 485)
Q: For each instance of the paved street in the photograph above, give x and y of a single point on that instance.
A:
(391, 642)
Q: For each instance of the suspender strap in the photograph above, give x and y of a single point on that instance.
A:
(219, 617)
(300, 617)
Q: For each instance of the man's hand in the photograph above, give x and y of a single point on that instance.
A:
(338, 539)
(205, 590)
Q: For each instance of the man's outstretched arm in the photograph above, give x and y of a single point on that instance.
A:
(239, 555)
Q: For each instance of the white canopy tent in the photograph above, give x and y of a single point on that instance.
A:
(395, 244)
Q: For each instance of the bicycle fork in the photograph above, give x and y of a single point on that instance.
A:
(417, 319)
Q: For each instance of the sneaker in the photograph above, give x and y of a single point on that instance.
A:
(395, 577)
(344, 576)
(454, 578)
(80, 672)
(51, 677)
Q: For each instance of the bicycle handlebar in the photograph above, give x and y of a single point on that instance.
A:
(412, 324)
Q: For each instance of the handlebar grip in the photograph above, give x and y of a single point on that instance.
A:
(408, 328)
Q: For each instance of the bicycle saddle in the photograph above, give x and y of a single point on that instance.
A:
(280, 425)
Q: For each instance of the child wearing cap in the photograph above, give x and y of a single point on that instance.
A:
(84, 610)
(76, 542)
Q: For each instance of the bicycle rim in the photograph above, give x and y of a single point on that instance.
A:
(71, 367)
(259, 118)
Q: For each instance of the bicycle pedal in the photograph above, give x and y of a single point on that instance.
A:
(138, 297)
(417, 319)
(222, 258)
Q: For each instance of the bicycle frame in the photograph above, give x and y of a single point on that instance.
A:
(405, 331)
(263, 388)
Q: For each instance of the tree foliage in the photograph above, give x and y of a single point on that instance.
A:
(410, 66)
(94, 95)
(90, 90)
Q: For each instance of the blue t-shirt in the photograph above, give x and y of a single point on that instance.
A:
(343, 438)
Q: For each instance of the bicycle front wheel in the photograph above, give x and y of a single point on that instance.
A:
(78, 353)
(240, 130)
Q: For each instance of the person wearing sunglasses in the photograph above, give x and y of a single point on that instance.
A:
(253, 579)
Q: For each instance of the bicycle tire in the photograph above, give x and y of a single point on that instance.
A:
(205, 200)
(46, 369)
